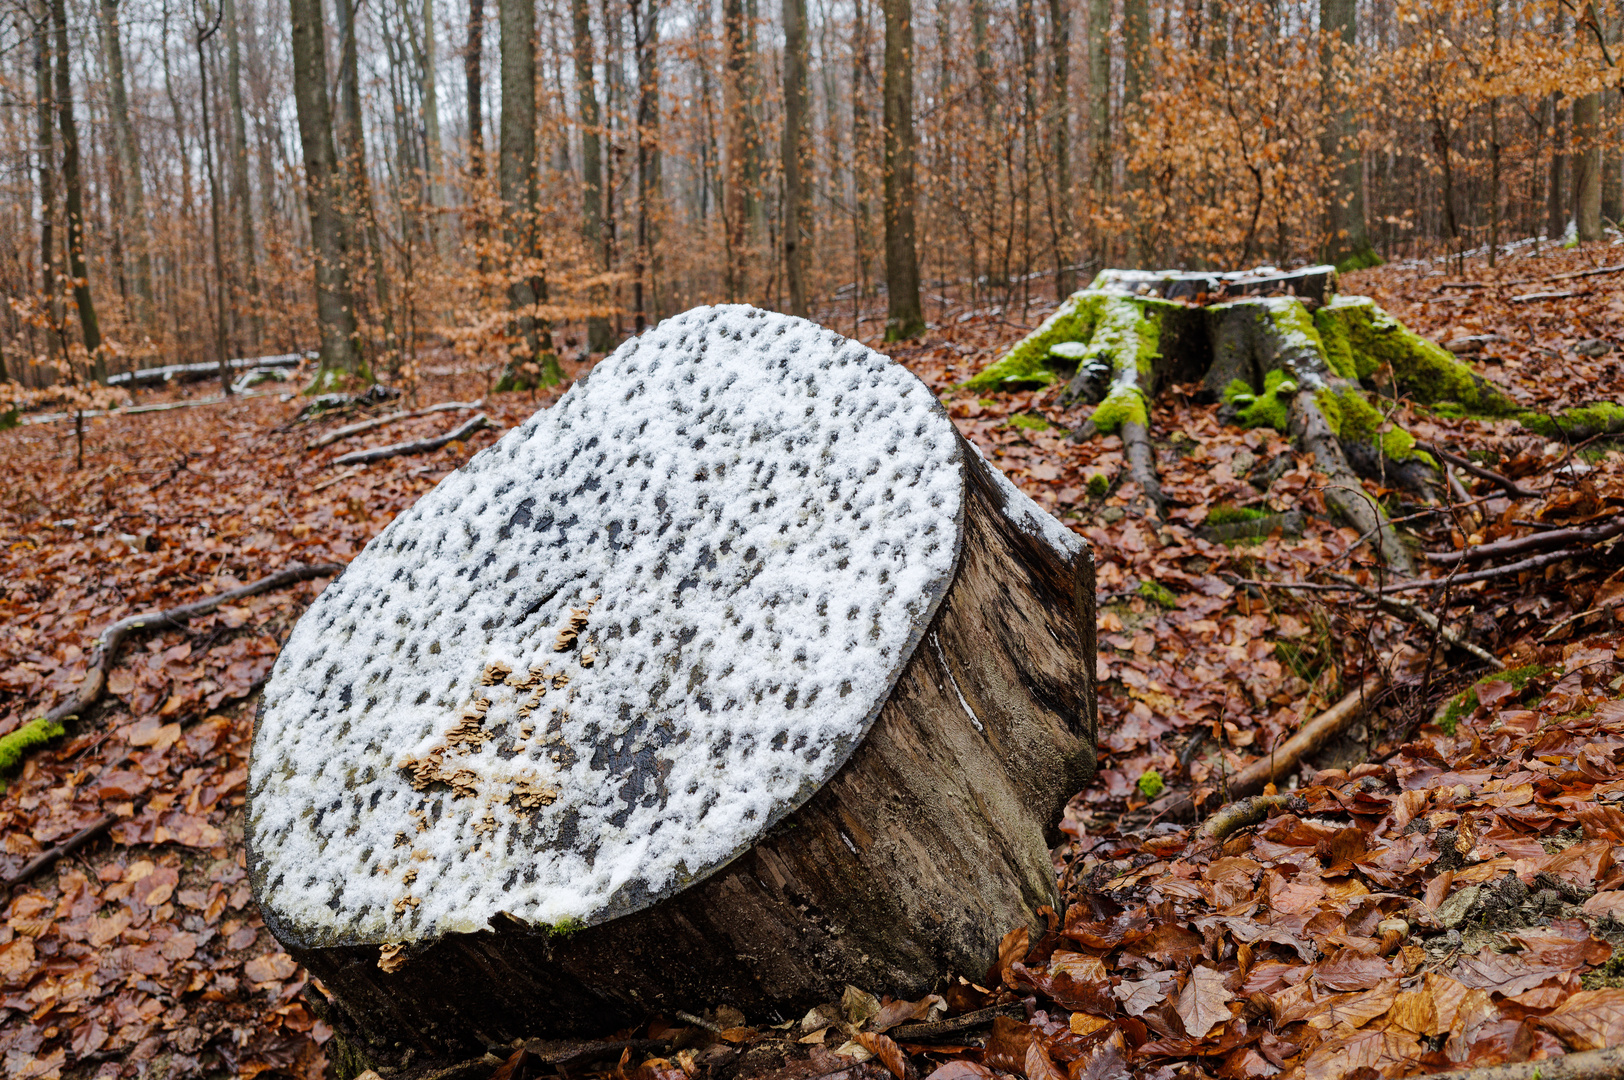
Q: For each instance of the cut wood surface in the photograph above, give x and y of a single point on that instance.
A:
(891, 844)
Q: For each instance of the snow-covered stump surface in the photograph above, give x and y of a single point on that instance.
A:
(734, 677)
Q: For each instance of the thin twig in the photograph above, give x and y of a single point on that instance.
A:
(1510, 486)
(1425, 618)
(420, 446)
(1488, 575)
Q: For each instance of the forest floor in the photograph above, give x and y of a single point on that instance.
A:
(1487, 823)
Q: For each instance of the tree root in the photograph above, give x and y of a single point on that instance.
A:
(420, 446)
(1542, 541)
(1343, 493)
(1142, 467)
(1250, 811)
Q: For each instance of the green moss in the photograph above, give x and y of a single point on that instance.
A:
(10, 419)
(1292, 318)
(1027, 363)
(1150, 784)
(1028, 422)
(1159, 594)
(1363, 259)
(1226, 514)
(565, 927)
(1423, 368)
(15, 746)
(1099, 485)
(1122, 404)
(1465, 702)
(1584, 422)
(1354, 419)
(1272, 408)
(547, 373)
(1238, 391)
(1069, 352)
(1331, 322)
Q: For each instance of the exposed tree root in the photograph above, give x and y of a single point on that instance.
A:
(420, 446)
(1250, 811)
(1540, 541)
(1343, 492)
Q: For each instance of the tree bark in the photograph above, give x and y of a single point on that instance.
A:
(739, 199)
(1347, 242)
(50, 285)
(646, 42)
(1556, 211)
(473, 53)
(335, 311)
(1136, 68)
(1587, 167)
(129, 158)
(598, 336)
(1060, 141)
(221, 276)
(796, 155)
(901, 871)
(73, 199)
(903, 316)
(432, 194)
(360, 219)
(239, 171)
(1099, 88)
(533, 361)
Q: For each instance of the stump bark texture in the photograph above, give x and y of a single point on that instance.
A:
(904, 855)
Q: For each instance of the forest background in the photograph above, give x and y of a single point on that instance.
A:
(190, 179)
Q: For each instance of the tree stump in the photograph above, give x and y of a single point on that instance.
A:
(734, 677)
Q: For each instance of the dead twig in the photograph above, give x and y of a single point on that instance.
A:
(1542, 541)
(47, 858)
(954, 1025)
(1511, 487)
(1425, 618)
(421, 446)
(1526, 298)
(1250, 811)
(349, 430)
(1508, 570)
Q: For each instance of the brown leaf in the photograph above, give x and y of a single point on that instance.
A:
(1589, 1020)
(1006, 1045)
(1010, 950)
(1039, 1066)
(1348, 970)
(16, 960)
(889, 1053)
(1204, 1002)
(961, 1070)
(269, 967)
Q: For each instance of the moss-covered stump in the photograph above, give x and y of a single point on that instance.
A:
(735, 677)
(1281, 350)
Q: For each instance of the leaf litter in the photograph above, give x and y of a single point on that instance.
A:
(1448, 891)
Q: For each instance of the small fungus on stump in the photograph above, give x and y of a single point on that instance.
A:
(734, 677)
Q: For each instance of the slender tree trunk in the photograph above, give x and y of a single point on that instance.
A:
(239, 170)
(471, 57)
(351, 133)
(903, 317)
(1136, 67)
(862, 84)
(50, 283)
(533, 360)
(646, 43)
(797, 204)
(73, 198)
(335, 311)
(1060, 141)
(1494, 144)
(1347, 241)
(1556, 226)
(1587, 160)
(431, 114)
(221, 283)
(129, 157)
(740, 201)
(598, 337)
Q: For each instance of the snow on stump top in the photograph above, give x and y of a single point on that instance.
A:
(624, 640)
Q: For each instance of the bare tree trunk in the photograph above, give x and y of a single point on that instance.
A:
(646, 43)
(351, 135)
(1060, 141)
(903, 317)
(221, 278)
(1587, 159)
(239, 169)
(862, 133)
(129, 158)
(49, 274)
(1136, 65)
(73, 198)
(471, 57)
(797, 205)
(335, 311)
(740, 201)
(598, 338)
(1347, 242)
(1494, 146)
(533, 360)
(431, 114)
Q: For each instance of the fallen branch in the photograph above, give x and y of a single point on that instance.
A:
(1425, 618)
(1510, 486)
(421, 446)
(1286, 757)
(48, 858)
(1586, 273)
(1587, 1065)
(1487, 575)
(1530, 297)
(107, 644)
(1142, 467)
(1532, 542)
(953, 1026)
(1250, 811)
(349, 430)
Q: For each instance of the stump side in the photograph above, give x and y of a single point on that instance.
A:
(904, 870)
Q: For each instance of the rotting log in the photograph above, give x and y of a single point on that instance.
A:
(735, 677)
